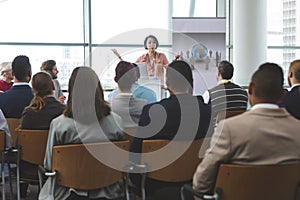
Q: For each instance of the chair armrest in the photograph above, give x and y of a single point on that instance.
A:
(189, 188)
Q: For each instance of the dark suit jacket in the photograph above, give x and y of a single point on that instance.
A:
(291, 102)
(184, 116)
(32, 119)
(14, 100)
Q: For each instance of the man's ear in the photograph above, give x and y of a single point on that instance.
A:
(53, 86)
(251, 88)
(116, 80)
(290, 74)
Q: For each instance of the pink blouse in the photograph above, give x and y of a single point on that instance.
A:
(156, 69)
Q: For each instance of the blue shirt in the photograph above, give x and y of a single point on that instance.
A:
(140, 92)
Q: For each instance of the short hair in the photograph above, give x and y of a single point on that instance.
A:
(150, 36)
(21, 67)
(5, 67)
(48, 65)
(268, 82)
(179, 75)
(295, 68)
(125, 75)
(138, 73)
(225, 68)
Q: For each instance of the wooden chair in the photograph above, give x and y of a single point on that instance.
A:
(73, 166)
(31, 148)
(259, 182)
(129, 133)
(4, 151)
(227, 114)
(181, 170)
(13, 124)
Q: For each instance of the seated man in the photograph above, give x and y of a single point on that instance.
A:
(14, 100)
(139, 91)
(291, 100)
(124, 104)
(226, 95)
(264, 135)
(179, 117)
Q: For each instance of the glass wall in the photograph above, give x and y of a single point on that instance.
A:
(66, 30)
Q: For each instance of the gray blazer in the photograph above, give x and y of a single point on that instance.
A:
(64, 130)
(261, 136)
(128, 108)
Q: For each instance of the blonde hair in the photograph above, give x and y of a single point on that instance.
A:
(42, 86)
(5, 67)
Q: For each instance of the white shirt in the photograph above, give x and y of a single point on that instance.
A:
(265, 105)
(206, 96)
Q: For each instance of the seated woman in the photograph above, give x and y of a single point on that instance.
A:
(86, 119)
(43, 107)
(38, 115)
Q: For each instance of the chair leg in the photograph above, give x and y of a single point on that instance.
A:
(10, 180)
(3, 177)
(18, 175)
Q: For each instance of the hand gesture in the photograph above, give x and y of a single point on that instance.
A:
(117, 53)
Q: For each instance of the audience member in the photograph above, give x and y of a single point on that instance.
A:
(265, 135)
(38, 115)
(86, 119)
(138, 91)
(13, 101)
(50, 67)
(43, 107)
(124, 104)
(291, 100)
(7, 77)
(182, 115)
(226, 95)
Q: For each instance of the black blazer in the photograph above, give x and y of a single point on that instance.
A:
(291, 102)
(185, 116)
(32, 119)
(14, 100)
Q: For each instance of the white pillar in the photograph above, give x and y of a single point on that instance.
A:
(249, 38)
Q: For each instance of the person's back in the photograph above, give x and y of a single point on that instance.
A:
(292, 98)
(228, 96)
(124, 104)
(180, 117)
(138, 91)
(13, 101)
(86, 119)
(44, 107)
(264, 135)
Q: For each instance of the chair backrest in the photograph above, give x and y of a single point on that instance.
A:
(33, 145)
(259, 182)
(129, 133)
(227, 114)
(77, 168)
(13, 124)
(181, 169)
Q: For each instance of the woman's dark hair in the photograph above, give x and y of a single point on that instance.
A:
(150, 36)
(86, 100)
(42, 86)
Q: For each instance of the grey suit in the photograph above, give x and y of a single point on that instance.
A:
(128, 108)
(260, 136)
